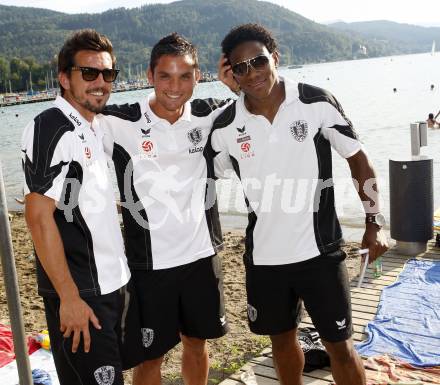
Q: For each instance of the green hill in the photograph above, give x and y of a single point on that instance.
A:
(30, 38)
(405, 38)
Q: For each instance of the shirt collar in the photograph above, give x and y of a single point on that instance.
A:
(292, 95)
(71, 113)
(150, 115)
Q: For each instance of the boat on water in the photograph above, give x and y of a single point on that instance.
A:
(294, 67)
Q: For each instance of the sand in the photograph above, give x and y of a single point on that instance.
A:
(227, 354)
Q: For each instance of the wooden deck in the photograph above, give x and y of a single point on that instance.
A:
(364, 305)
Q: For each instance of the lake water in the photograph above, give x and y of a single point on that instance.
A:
(365, 90)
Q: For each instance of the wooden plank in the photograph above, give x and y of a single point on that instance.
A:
(364, 307)
(364, 302)
(318, 373)
(365, 316)
(369, 286)
(368, 297)
(365, 290)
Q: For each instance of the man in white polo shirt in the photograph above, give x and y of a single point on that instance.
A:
(171, 224)
(82, 270)
(278, 137)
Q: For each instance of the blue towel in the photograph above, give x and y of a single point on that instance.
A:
(407, 324)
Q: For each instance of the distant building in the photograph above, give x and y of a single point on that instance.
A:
(359, 51)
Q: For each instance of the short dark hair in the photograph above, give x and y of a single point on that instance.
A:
(431, 116)
(248, 32)
(84, 39)
(175, 45)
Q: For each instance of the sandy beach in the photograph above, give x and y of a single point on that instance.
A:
(227, 354)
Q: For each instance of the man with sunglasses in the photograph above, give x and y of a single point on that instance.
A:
(277, 137)
(171, 224)
(82, 270)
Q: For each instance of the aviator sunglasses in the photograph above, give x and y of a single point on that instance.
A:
(258, 63)
(89, 73)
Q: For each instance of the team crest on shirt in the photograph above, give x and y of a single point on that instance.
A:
(105, 375)
(147, 337)
(252, 313)
(195, 136)
(299, 130)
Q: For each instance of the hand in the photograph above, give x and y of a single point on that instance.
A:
(75, 316)
(375, 240)
(225, 75)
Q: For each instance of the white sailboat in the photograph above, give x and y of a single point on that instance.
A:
(433, 48)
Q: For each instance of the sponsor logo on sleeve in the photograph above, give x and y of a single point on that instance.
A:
(75, 119)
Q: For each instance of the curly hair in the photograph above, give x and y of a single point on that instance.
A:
(175, 45)
(248, 32)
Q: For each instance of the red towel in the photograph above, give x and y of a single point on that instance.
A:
(7, 346)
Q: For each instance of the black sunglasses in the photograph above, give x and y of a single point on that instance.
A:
(258, 63)
(89, 73)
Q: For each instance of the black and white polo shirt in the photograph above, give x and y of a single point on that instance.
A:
(64, 159)
(168, 205)
(286, 169)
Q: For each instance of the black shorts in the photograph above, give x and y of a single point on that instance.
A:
(275, 295)
(112, 349)
(186, 299)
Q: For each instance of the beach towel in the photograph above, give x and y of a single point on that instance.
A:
(384, 370)
(7, 346)
(407, 323)
(43, 370)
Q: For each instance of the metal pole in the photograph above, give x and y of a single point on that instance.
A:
(12, 292)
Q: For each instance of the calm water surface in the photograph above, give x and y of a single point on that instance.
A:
(365, 90)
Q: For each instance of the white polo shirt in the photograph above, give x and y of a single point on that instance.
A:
(64, 159)
(162, 178)
(282, 167)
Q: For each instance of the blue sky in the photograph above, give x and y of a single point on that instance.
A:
(422, 12)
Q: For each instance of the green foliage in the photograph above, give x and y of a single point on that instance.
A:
(38, 34)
